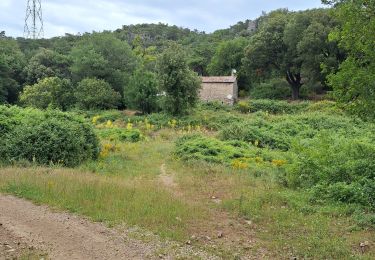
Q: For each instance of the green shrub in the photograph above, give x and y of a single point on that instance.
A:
(142, 92)
(278, 132)
(335, 168)
(274, 89)
(45, 137)
(324, 106)
(243, 107)
(198, 147)
(276, 107)
(259, 132)
(49, 92)
(121, 134)
(94, 94)
(214, 106)
(103, 115)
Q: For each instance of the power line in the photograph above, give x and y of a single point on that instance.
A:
(34, 20)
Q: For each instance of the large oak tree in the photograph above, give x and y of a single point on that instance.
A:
(292, 45)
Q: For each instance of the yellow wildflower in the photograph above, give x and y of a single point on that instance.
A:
(95, 119)
(109, 124)
(238, 164)
(129, 126)
(279, 163)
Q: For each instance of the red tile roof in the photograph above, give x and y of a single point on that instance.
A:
(229, 79)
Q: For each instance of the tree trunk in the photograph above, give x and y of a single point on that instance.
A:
(295, 92)
(295, 83)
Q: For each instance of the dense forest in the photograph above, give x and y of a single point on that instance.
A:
(280, 55)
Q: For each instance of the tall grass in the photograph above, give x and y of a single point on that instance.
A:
(110, 199)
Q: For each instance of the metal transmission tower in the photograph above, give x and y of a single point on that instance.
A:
(34, 20)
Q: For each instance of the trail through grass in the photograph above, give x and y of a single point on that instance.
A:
(257, 216)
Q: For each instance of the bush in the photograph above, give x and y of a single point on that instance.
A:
(197, 147)
(142, 92)
(279, 132)
(259, 132)
(49, 92)
(335, 168)
(276, 107)
(324, 106)
(94, 94)
(45, 137)
(274, 89)
(120, 134)
(243, 107)
(214, 106)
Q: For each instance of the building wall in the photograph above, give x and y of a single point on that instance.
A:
(219, 92)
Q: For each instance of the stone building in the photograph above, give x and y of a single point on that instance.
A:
(222, 89)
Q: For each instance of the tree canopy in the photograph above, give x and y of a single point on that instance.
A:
(354, 81)
(312, 51)
(293, 46)
(179, 83)
(103, 56)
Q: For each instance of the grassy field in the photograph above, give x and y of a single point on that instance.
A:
(231, 209)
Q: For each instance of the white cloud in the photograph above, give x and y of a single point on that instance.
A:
(73, 16)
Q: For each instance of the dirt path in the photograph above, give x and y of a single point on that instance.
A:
(66, 236)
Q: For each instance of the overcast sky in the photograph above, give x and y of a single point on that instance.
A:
(73, 16)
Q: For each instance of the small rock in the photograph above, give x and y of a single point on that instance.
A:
(214, 197)
(161, 256)
(249, 222)
(11, 250)
(193, 237)
(364, 246)
(220, 234)
(188, 242)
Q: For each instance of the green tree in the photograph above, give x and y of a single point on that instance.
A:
(49, 92)
(200, 57)
(228, 56)
(47, 63)
(142, 91)
(180, 84)
(12, 61)
(354, 82)
(103, 56)
(292, 45)
(6, 82)
(147, 55)
(94, 93)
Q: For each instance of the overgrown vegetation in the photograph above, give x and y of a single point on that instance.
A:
(313, 163)
(49, 137)
(328, 155)
(297, 178)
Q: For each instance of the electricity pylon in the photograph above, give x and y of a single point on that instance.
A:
(34, 20)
